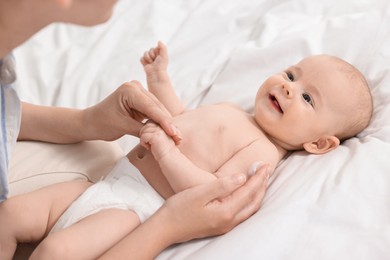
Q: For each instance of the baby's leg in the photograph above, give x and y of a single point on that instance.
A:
(27, 218)
(155, 62)
(90, 237)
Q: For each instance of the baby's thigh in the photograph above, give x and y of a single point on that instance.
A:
(29, 217)
(88, 238)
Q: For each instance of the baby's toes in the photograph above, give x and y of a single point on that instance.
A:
(146, 58)
(152, 53)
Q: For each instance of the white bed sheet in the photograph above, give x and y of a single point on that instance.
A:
(334, 206)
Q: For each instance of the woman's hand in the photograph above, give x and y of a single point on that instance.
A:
(215, 208)
(205, 210)
(154, 138)
(123, 113)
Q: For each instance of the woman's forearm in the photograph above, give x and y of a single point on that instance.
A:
(51, 124)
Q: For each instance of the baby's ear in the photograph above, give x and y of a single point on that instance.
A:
(322, 145)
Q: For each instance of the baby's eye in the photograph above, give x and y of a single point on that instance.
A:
(290, 76)
(307, 98)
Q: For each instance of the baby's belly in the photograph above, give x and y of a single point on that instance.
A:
(207, 155)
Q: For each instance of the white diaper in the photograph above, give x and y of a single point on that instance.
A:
(123, 188)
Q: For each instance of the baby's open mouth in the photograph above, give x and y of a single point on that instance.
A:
(275, 103)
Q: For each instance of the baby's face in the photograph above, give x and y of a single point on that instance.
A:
(304, 102)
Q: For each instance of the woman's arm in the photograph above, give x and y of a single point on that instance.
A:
(205, 210)
(120, 113)
(52, 124)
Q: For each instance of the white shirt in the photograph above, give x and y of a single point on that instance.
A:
(10, 115)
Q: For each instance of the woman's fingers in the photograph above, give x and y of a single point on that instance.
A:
(248, 199)
(243, 202)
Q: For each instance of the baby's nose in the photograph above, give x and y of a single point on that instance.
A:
(287, 90)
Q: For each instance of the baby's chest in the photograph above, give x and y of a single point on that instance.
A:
(212, 136)
(219, 123)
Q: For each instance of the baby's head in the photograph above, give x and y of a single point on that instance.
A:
(314, 105)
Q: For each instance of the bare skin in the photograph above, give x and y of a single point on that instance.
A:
(44, 211)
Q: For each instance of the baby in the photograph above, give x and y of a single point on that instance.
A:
(313, 106)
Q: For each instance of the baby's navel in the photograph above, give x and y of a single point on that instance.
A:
(140, 153)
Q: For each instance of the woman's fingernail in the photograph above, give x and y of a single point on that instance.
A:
(254, 167)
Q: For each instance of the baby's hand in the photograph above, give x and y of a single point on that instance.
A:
(156, 59)
(153, 138)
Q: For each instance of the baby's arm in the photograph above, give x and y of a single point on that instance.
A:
(180, 172)
(155, 62)
(249, 159)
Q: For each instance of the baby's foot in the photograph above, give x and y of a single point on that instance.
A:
(155, 61)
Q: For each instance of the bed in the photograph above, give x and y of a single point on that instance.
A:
(334, 206)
